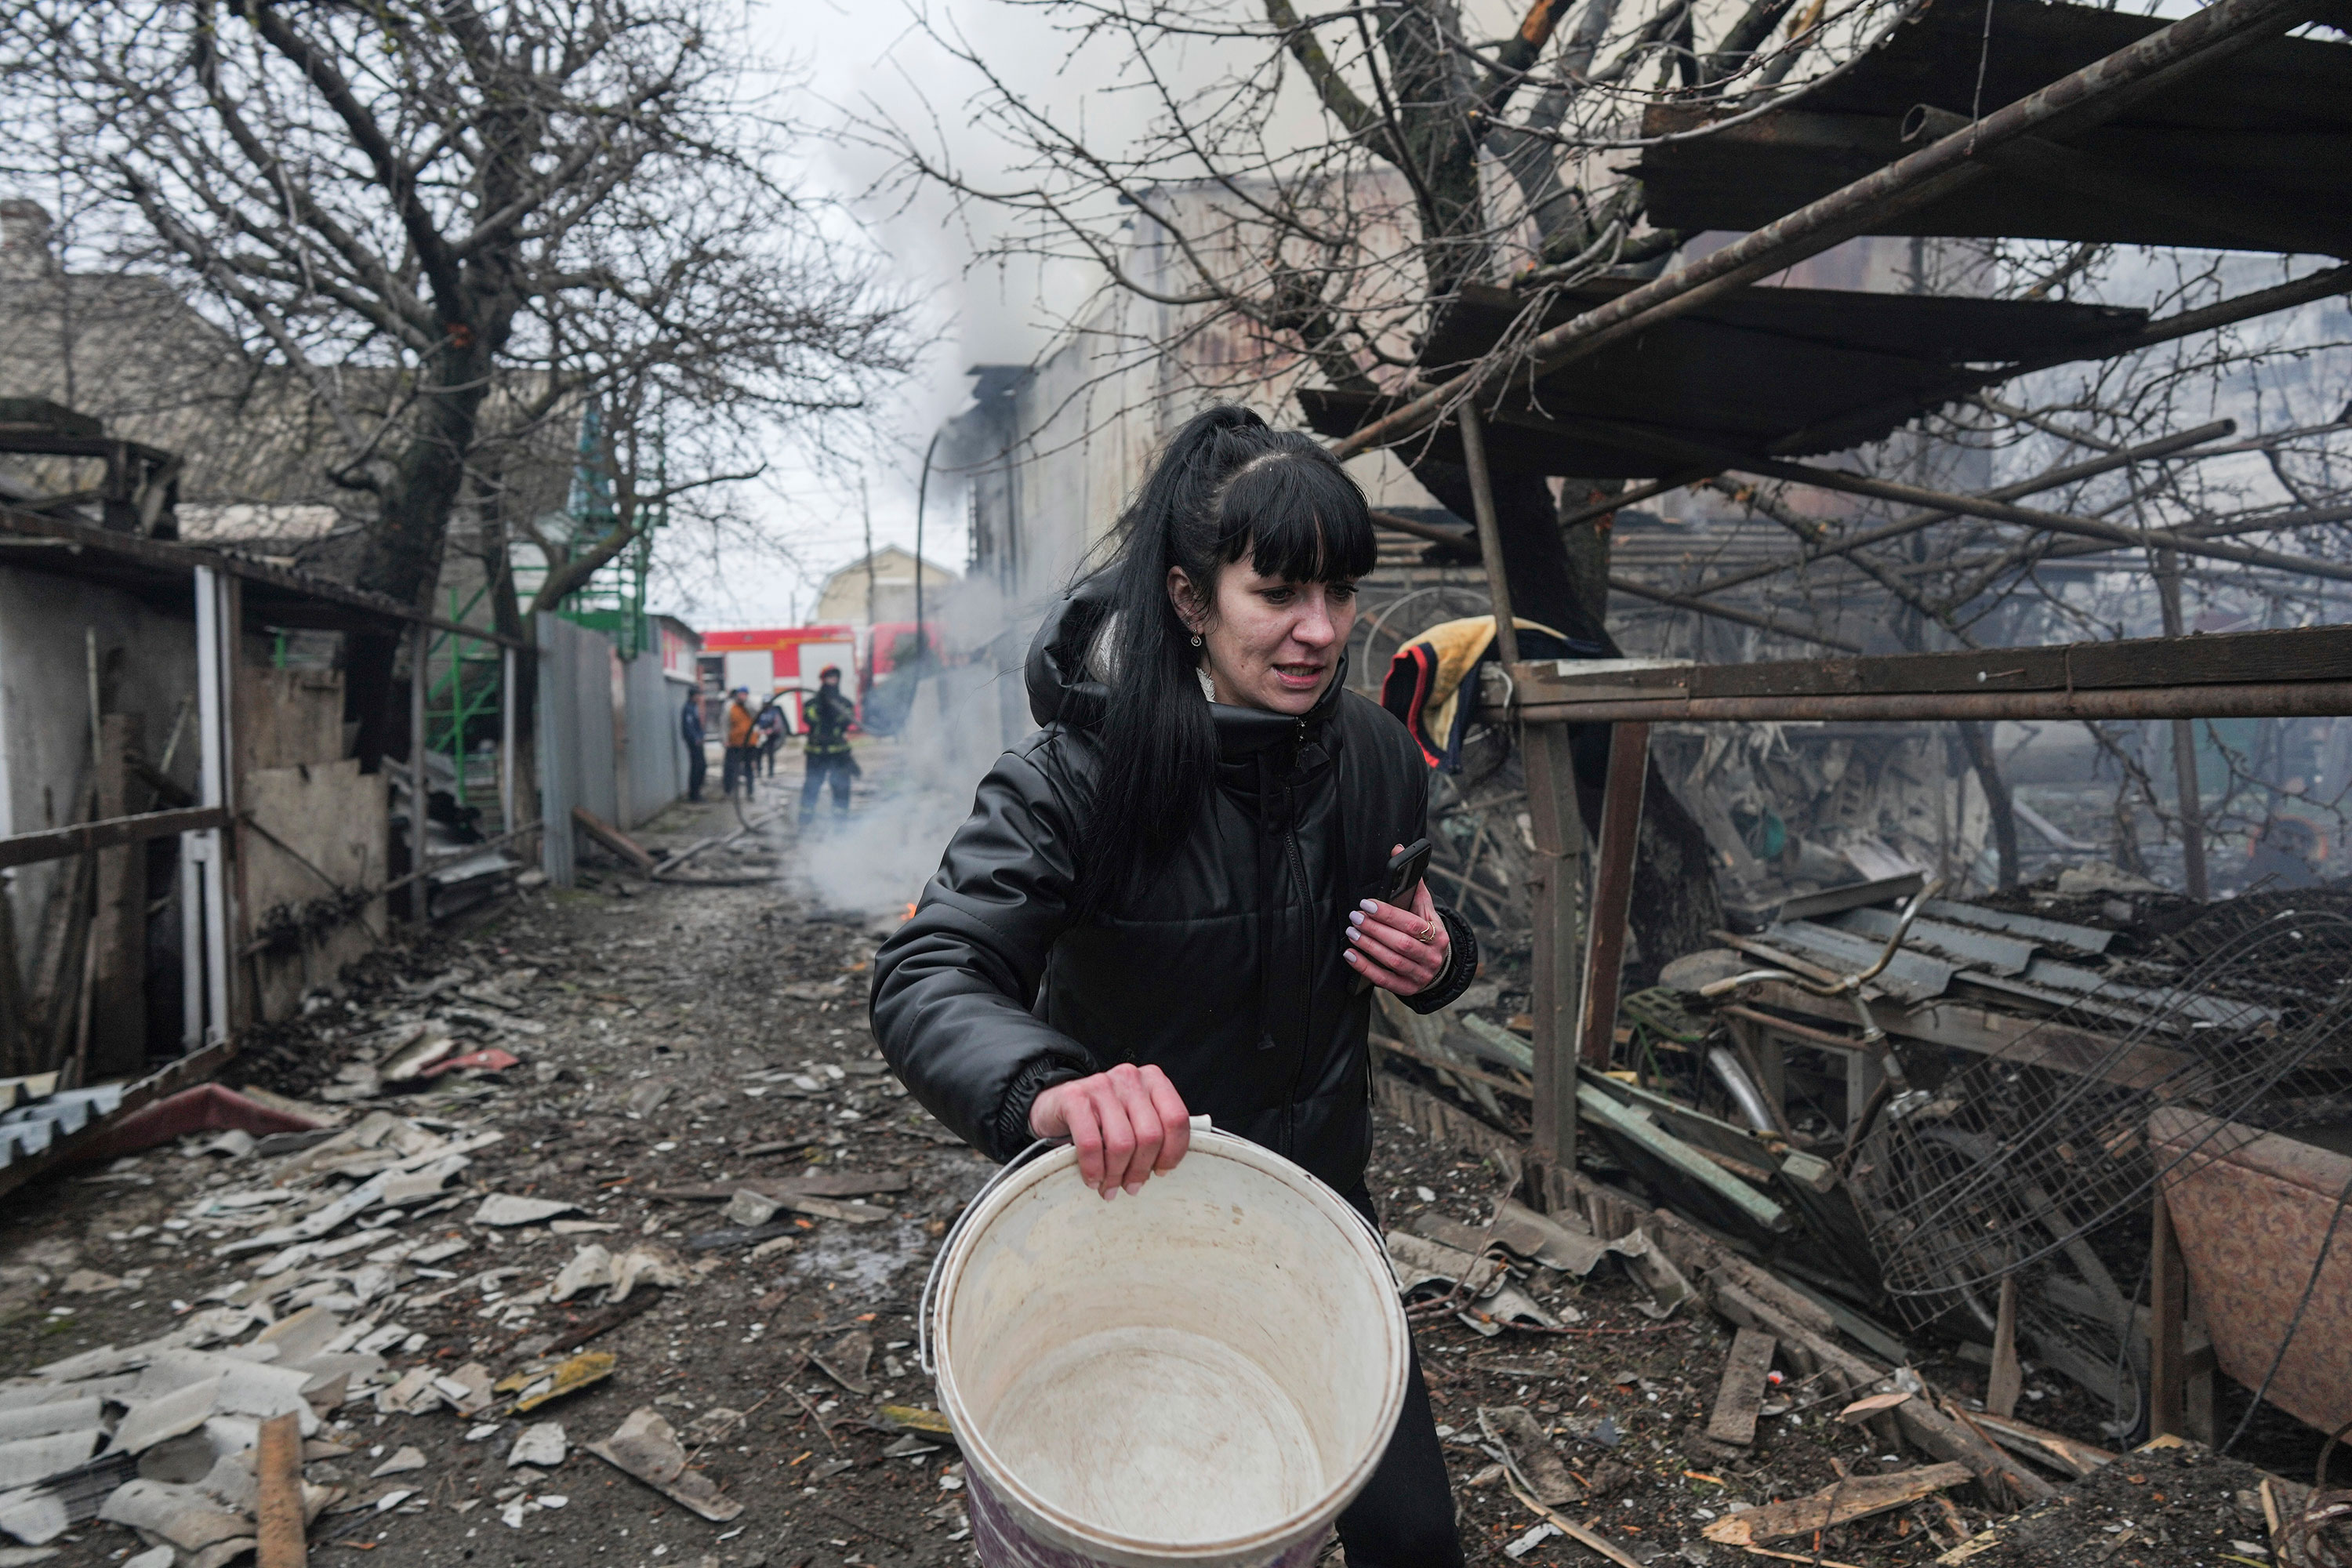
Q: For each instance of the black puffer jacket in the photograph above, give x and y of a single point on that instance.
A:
(1226, 973)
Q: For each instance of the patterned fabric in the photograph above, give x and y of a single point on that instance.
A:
(1424, 685)
(2252, 1210)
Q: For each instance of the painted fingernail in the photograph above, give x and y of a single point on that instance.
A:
(1351, 956)
(1372, 905)
(1355, 917)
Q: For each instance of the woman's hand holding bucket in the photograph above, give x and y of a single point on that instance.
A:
(1125, 1123)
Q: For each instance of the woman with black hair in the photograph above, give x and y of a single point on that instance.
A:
(1167, 901)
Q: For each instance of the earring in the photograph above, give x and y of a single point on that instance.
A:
(1196, 639)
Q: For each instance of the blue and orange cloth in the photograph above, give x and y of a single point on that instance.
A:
(1424, 682)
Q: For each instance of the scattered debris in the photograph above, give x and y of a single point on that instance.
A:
(503, 1209)
(540, 1446)
(644, 1446)
(1852, 1498)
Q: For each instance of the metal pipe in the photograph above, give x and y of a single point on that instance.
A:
(1744, 1093)
(1490, 533)
(420, 787)
(506, 727)
(2184, 742)
(2072, 103)
(2300, 700)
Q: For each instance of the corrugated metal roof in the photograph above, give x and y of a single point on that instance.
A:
(1738, 374)
(2260, 142)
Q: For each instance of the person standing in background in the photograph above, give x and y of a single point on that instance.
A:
(690, 730)
(829, 715)
(773, 730)
(742, 741)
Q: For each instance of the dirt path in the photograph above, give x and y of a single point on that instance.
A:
(679, 1042)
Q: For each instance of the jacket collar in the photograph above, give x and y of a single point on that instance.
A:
(1248, 731)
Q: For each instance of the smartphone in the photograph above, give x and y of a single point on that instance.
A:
(1405, 868)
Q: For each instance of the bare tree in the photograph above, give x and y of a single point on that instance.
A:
(459, 223)
(1323, 186)
(1313, 190)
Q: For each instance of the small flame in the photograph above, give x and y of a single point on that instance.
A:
(908, 915)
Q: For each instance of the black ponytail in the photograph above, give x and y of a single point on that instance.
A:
(1224, 485)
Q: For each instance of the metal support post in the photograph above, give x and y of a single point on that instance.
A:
(2167, 1302)
(419, 790)
(1612, 888)
(506, 741)
(205, 883)
(2184, 740)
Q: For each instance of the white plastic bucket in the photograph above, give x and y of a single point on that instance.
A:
(1205, 1373)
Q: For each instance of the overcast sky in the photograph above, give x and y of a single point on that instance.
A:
(860, 55)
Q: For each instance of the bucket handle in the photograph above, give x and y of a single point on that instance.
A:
(932, 1282)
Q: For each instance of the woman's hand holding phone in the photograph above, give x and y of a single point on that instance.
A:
(1399, 949)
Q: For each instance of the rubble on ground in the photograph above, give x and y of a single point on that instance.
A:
(647, 1292)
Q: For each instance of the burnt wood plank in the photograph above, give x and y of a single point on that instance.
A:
(1742, 1392)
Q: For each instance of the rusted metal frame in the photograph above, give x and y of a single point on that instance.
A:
(2306, 700)
(1612, 890)
(58, 843)
(2072, 103)
(169, 555)
(1904, 526)
(2286, 657)
(1490, 533)
(2046, 163)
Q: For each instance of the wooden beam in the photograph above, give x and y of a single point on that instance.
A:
(1490, 533)
(1742, 1392)
(1852, 1497)
(165, 555)
(613, 839)
(1612, 890)
(2007, 1379)
(278, 1470)
(2060, 1047)
(1556, 889)
(55, 844)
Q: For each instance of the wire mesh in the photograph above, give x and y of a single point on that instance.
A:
(2013, 1159)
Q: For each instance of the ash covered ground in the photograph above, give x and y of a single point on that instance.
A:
(679, 1045)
